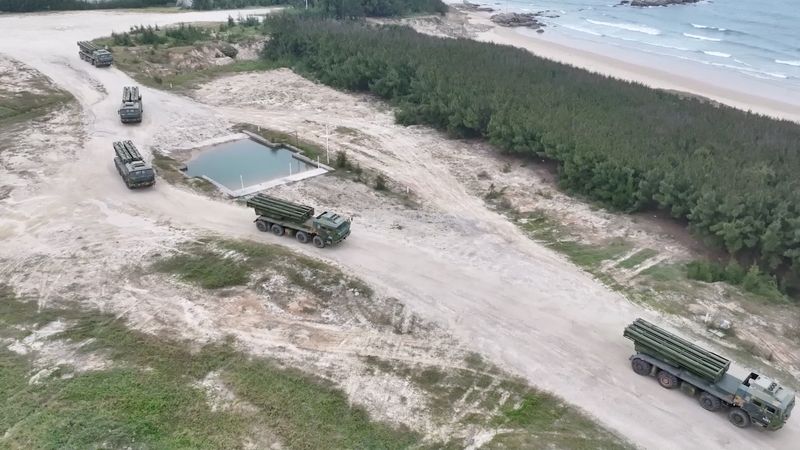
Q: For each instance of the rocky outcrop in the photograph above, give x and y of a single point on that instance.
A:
(529, 20)
(656, 2)
(467, 6)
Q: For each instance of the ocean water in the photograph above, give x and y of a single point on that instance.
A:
(757, 38)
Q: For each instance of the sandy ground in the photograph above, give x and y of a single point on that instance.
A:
(734, 90)
(453, 261)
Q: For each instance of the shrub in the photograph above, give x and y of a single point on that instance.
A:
(341, 160)
(380, 182)
(229, 50)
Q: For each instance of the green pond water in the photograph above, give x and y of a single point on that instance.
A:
(243, 163)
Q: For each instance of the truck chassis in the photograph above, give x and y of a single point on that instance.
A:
(279, 228)
(711, 397)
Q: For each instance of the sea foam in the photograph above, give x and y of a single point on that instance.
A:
(702, 38)
(719, 54)
(788, 62)
(628, 26)
(708, 27)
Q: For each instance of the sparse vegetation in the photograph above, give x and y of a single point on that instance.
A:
(30, 103)
(216, 263)
(543, 229)
(529, 418)
(170, 170)
(148, 397)
(309, 149)
(637, 258)
(183, 56)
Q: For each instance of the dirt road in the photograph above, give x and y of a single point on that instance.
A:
(459, 264)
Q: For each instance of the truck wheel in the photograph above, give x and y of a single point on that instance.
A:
(262, 226)
(301, 237)
(277, 230)
(667, 380)
(709, 402)
(318, 242)
(641, 366)
(739, 418)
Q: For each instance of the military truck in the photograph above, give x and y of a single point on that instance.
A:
(99, 57)
(131, 166)
(676, 362)
(131, 109)
(280, 216)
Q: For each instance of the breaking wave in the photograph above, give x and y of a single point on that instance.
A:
(708, 27)
(702, 38)
(627, 26)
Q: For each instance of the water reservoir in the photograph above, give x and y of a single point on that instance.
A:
(243, 164)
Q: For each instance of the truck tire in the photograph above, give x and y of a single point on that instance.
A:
(318, 242)
(301, 236)
(641, 366)
(667, 380)
(262, 226)
(739, 418)
(277, 230)
(709, 402)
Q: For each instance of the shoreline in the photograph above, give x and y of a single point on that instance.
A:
(655, 71)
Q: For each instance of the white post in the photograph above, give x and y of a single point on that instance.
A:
(290, 168)
(317, 161)
(327, 148)
(241, 180)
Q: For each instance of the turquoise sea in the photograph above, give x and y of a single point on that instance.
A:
(757, 38)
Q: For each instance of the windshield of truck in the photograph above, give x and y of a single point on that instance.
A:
(142, 174)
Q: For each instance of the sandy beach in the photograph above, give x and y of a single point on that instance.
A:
(737, 90)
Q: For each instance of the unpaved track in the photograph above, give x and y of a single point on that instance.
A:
(510, 298)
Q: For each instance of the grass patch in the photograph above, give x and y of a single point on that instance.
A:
(529, 418)
(310, 149)
(149, 398)
(543, 229)
(207, 269)
(37, 98)
(665, 273)
(169, 169)
(637, 258)
(217, 263)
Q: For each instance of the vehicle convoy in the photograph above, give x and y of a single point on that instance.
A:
(677, 362)
(131, 166)
(279, 216)
(131, 109)
(99, 57)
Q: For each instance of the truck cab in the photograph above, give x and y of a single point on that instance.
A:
(331, 227)
(138, 173)
(103, 57)
(766, 402)
(130, 112)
